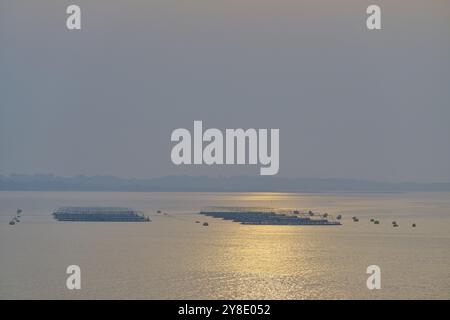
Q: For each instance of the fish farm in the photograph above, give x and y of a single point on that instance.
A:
(111, 214)
(269, 216)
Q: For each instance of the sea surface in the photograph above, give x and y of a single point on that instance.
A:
(173, 257)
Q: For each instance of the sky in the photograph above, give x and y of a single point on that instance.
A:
(349, 102)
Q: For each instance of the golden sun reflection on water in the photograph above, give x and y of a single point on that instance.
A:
(265, 250)
(175, 258)
(261, 196)
(265, 199)
(264, 261)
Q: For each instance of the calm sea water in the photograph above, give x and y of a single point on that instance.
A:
(172, 257)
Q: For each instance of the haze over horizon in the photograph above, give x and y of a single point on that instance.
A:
(349, 103)
(210, 176)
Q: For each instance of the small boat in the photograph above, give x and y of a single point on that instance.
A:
(197, 221)
(12, 222)
(205, 224)
(376, 222)
(159, 211)
(339, 217)
(372, 220)
(394, 222)
(413, 225)
(395, 225)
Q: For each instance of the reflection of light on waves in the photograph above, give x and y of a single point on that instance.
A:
(264, 198)
(264, 260)
(266, 249)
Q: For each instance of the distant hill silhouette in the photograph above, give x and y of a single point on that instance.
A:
(46, 182)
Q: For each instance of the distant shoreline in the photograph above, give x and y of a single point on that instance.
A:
(287, 192)
(210, 184)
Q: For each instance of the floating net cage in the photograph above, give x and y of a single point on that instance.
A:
(267, 215)
(98, 214)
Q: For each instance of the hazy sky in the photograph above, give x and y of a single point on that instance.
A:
(350, 103)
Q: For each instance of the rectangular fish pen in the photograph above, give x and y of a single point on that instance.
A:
(269, 216)
(112, 214)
